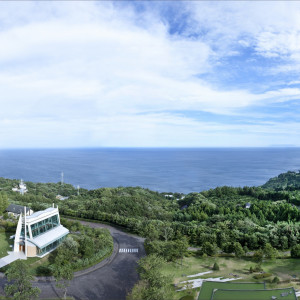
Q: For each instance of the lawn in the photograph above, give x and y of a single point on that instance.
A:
(38, 266)
(287, 270)
(5, 242)
(208, 288)
(284, 294)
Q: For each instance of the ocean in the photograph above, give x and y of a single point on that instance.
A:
(159, 169)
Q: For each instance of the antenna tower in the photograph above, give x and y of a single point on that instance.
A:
(62, 178)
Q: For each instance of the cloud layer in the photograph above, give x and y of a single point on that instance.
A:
(134, 74)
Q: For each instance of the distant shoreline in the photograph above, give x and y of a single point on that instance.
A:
(182, 170)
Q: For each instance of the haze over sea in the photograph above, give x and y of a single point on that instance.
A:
(163, 170)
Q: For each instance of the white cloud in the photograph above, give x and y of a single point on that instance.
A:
(86, 71)
(159, 130)
(271, 27)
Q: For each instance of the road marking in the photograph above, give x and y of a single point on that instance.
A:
(128, 250)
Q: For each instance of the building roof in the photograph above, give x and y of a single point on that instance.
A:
(50, 236)
(39, 213)
(17, 209)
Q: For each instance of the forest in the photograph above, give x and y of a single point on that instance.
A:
(223, 218)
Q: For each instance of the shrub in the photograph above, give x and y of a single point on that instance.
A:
(257, 268)
(216, 267)
(263, 275)
(275, 280)
(295, 251)
(187, 297)
(228, 247)
(209, 248)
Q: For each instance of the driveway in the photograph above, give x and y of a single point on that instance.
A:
(11, 257)
(110, 280)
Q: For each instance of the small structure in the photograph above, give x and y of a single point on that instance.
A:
(16, 210)
(22, 189)
(60, 197)
(169, 196)
(39, 233)
(248, 205)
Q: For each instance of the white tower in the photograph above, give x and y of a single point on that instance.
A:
(62, 178)
(78, 187)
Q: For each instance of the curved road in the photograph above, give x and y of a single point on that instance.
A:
(112, 279)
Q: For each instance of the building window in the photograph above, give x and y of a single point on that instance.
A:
(22, 231)
(44, 225)
(50, 247)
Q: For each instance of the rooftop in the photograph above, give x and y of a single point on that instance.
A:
(17, 209)
(49, 237)
(41, 212)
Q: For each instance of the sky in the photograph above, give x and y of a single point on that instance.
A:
(149, 74)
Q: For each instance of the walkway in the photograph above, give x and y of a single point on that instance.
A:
(11, 257)
(112, 279)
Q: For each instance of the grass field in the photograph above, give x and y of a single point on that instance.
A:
(4, 243)
(208, 288)
(284, 294)
(284, 269)
(38, 265)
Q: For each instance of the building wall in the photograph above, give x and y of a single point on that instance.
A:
(11, 214)
(42, 223)
(17, 235)
(31, 251)
(15, 215)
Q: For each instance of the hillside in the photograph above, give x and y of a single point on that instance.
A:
(285, 181)
(250, 216)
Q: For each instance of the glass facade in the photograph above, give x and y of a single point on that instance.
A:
(51, 246)
(22, 231)
(44, 226)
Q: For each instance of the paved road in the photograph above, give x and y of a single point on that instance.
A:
(110, 282)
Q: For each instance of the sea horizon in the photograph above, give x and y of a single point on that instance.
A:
(181, 170)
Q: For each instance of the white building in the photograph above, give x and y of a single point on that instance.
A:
(60, 197)
(22, 189)
(39, 233)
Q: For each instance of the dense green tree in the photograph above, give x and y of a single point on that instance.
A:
(86, 246)
(151, 232)
(209, 248)
(295, 251)
(62, 269)
(228, 247)
(217, 216)
(3, 202)
(238, 249)
(258, 256)
(20, 288)
(269, 251)
(181, 246)
(153, 284)
(168, 233)
(63, 275)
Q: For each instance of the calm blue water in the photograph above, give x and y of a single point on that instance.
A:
(164, 170)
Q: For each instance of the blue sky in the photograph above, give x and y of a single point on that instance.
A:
(149, 74)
